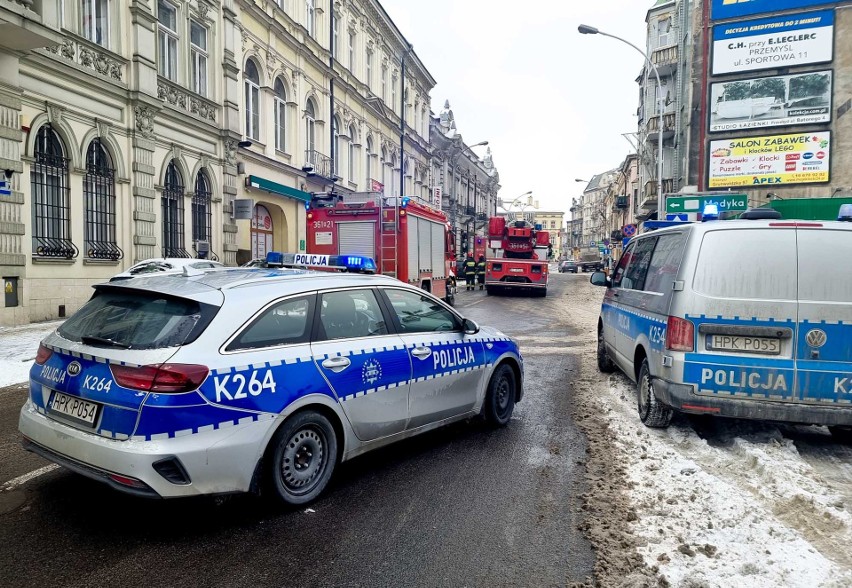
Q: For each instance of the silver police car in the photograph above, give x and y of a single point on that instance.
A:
(246, 379)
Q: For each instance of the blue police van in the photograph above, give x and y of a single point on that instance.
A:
(736, 318)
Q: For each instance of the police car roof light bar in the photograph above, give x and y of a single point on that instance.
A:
(349, 263)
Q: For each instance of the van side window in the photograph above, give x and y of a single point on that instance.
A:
(820, 280)
(664, 263)
(618, 274)
(637, 271)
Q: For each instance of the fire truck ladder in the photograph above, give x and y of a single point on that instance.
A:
(390, 240)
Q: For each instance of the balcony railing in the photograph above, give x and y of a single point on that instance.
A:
(622, 202)
(319, 164)
(668, 123)
(651, 188)
(665, 58)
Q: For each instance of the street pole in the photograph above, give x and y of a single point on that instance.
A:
(588, 30)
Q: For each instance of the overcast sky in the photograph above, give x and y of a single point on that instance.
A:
(552, 103)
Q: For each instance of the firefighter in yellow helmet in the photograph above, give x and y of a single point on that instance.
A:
(470, 272)
(480, 272)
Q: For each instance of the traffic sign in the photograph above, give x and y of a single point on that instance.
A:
(592, 244)
(628, 230)
(697, 202)
(677, 217)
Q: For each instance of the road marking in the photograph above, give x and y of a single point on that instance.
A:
(15, 482)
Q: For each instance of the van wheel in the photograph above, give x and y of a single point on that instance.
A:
(500, 396)
(304, 453)
(842, 434)
(605, 364)
(652, 412)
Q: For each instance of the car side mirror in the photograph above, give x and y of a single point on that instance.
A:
(600, 279)
(470, 327)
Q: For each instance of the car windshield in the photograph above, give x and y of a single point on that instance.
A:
(137, 320)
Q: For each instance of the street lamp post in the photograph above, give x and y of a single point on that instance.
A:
(587, 30)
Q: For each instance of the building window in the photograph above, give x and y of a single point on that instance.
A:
(335, 145)
(172, 201)
(336, 32)
(352, 52)
(368, 163)
(50, 194)
(369, 69)
(280, 115)
(252, 84)
(310, 130)
(198, 52)
(353, 165)
(202, 211)
(425, 120)
(384, 83)
(311, 16)
(393, 103)
(552, 224)
(99, 194)
(664, 27)
(95, 14)
(167, 37)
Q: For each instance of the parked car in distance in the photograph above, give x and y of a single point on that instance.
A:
(568, 266)
(734, 318)
(165, 265)
(240, 380)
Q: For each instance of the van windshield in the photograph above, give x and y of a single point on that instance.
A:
(137, 320)
(755, 264)
(825, 265)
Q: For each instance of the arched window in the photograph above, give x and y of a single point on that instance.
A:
(172, 201)
(202, 215)
(252, 84)
(280, 115)
(99, 194)
(368, 164)
(335, 145)
(353, 164)
(310, 132)
(50, 194)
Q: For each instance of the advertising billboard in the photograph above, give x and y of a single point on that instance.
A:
(773, 101)
(736, 8)
(801, 158)
(780, 41)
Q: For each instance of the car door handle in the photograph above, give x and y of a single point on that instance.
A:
(336, 364)
(421, 352)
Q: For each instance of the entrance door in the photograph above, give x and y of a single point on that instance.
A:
(261, 232)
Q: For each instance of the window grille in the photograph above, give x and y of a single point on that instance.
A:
(50, 194)
(202, 214)
(172, 201)
(99, 194)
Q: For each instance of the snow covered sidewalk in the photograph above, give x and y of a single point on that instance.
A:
(18, 347)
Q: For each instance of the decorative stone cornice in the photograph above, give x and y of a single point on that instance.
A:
(88, 55)
(179, 98)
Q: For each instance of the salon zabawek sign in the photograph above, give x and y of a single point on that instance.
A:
(800, 158)
(782, 41)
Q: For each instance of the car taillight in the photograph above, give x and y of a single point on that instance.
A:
(165, 377)
(43, 354)
(680, 334)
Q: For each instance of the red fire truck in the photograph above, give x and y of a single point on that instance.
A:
(517, 256)
(417, 248)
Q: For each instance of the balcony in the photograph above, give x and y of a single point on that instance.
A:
(653, 128)
(319, 165)
(665, 59)
(622, 202)
(649, 196)
(616, 235)
(26, 25)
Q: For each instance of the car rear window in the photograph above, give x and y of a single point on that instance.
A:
(754, 264)
(137, 320)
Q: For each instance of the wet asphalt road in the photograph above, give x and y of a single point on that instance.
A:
(462, 506)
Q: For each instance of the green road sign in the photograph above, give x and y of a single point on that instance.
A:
(697, 202)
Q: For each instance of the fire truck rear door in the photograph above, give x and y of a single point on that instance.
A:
(356, 238)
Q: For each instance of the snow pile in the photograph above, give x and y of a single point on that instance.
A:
(744, 509)
(18, 347)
